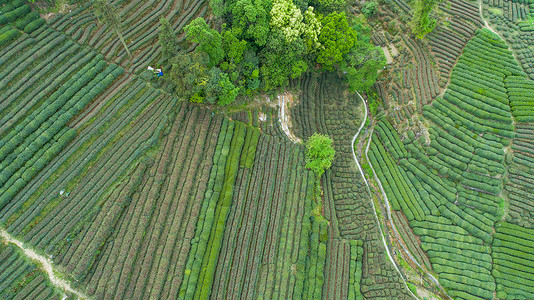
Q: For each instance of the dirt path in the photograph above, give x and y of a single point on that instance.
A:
(46, 265)
(388, 209)
(372, 202)
(283, 101)
(389, 59)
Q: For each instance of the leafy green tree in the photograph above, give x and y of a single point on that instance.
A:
(364, 61)
(287, 18)
(167, 39)
(212, 89)
(250, 20)
(337, 39)
(362, 65)
(218, 7)
(107, 14)
(229, 92)
(422, 21)
(369, 8)
(251, 70)
(320, 153)
(209, 40)
(219, 88)
(282, 60)
(233, 47)
(190, 75)
(312, 30)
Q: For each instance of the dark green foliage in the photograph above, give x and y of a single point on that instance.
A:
(369, 8)
(364, 61)
(250, 20)
(225, 88)
(31, 27)
(209, 40)
(262, 45)
(167, 39)
(12, 15)
(27, 19)
(282, 60)
(190, 74)
(195, 81)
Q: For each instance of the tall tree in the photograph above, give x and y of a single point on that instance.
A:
(287, 17)
(190, 74)
(362, 65)
(312, 30)
(281, 60)
(233, 47)
(167, 39)
(320, 153)
(107, 14)
(337, 39)
(364, 61)
(209, 40)
(422, 21)
(250, 20)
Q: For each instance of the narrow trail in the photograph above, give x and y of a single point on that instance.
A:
(388, 209)
(46, 266)
(486, 25)
(372, 202)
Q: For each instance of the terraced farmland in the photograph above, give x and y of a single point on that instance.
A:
(324, 108)
(140, 20)
(138, 160)
(131, 192)
(449, 183)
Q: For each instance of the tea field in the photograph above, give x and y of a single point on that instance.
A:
(462, 185)
(129, 191)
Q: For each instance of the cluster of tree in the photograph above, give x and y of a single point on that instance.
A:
(262, 44)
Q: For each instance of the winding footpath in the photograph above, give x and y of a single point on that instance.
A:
(370, 194)
(46, 266)
(388, 209)
(397, 235)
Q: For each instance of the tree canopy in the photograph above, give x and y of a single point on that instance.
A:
(209, 40)
(320, 153)
(260, 45)
(167, 39)
(337, 39)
